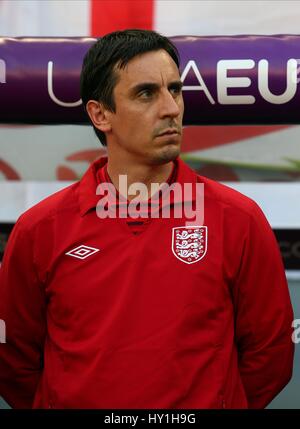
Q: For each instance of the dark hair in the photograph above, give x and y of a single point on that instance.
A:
(98, 76)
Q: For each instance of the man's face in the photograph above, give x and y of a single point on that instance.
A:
(147, 123)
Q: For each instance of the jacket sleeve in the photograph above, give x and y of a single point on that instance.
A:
(22, 308)
(263, 315)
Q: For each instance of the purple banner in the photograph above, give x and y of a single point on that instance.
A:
(227, 79)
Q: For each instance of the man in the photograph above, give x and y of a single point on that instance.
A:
(130, 311)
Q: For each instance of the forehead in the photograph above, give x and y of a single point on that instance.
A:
(154, 66)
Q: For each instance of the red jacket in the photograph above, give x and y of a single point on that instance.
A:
(128, 323)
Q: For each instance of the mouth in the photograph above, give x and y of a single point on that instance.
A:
(169, 132)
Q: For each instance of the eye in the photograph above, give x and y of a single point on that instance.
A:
(145, 94)
(175, 90)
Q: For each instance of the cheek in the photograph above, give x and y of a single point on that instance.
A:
(137, 122)
(122, 123)
(181, 106)
(134, 124)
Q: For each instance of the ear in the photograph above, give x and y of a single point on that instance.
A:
(98, 115)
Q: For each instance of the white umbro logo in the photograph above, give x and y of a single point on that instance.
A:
(82, 252)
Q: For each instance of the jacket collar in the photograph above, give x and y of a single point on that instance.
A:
(88, 198)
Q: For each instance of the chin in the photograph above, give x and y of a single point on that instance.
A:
(167, 154)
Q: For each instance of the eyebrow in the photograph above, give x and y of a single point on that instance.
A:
(154, 86)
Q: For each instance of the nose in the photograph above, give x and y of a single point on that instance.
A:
(170, 105)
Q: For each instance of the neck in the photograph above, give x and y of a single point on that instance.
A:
(138, 173)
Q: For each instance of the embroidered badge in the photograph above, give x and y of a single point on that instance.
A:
(189, 244)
